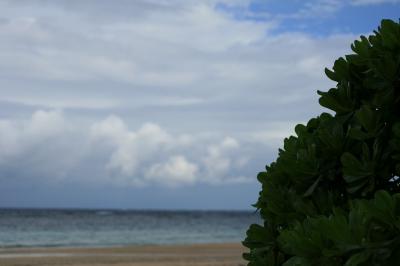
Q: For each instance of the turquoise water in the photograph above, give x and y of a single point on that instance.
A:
(20, 228)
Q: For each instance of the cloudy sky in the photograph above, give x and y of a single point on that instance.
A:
(172, 104)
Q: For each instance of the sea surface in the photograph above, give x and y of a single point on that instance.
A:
(46, 228)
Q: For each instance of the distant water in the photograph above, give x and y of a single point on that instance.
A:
(32, 228)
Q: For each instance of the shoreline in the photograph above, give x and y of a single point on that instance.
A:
(211, 254)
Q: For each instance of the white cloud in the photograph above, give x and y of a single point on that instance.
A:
(148, 155)
(229, 143)
(9, 139)
(43, 145)
(44, 124)
(50, 146)
(221, 159)
(16, 136)
(176, 171)
(129, 148)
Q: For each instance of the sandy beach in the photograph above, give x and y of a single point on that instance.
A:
(228, 254)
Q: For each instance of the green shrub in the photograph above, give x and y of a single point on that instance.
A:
(332, 196)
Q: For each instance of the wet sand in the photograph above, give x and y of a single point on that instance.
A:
(228, 254)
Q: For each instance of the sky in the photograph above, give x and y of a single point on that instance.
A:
(156, 104)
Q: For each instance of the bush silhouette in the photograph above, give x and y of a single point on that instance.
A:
(332, 196)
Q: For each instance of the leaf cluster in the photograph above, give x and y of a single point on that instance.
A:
(331, 197)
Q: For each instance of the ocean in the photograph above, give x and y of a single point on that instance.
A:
(58, 228)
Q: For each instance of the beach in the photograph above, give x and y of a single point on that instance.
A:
(225, 254)
(37, 237)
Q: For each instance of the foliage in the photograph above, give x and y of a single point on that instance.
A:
(332, 196)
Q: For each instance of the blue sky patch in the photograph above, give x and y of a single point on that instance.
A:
(318, 18)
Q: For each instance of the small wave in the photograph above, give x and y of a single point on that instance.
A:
(103, 213)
